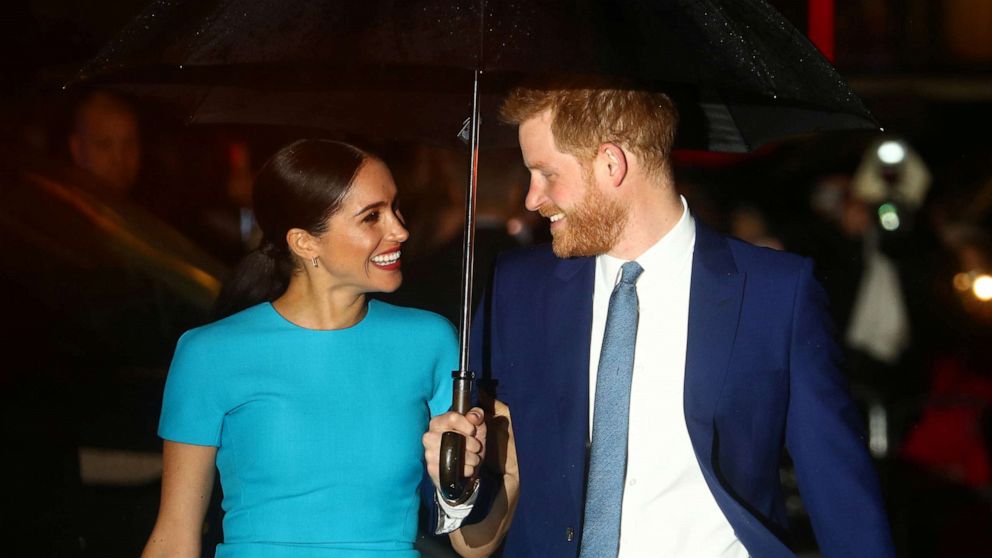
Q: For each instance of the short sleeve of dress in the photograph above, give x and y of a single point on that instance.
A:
(192, 410)
(447, 362)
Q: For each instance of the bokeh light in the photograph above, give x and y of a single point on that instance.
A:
(888, 216)
(982, 287)
(962, 281)
(891, 152)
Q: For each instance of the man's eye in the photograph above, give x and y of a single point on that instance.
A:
(372, 217)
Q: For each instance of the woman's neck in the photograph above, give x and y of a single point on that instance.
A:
(319, 307)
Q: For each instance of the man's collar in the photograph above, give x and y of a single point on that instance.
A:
(663, 254)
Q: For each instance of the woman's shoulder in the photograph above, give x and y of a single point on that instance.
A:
(414, 318)
(235, 326)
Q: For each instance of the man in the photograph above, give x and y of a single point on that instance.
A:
(653, 368)
(105, 141)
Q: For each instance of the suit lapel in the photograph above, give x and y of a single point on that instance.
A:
(570, 324)
(715, 297)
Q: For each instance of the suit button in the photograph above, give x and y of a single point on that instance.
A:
(569, 534)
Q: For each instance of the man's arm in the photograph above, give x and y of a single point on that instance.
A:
(485, 537)
(837, 479)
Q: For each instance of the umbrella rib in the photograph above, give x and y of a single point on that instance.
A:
(199, 104)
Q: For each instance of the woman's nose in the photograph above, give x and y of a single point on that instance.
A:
(397, 231)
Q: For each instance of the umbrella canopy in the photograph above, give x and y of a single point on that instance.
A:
(740, 73)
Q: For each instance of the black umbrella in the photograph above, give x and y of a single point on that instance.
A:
(740, 73)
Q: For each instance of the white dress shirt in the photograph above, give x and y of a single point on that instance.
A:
(668, 510)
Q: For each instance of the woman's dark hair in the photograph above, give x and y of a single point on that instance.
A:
(299, 187)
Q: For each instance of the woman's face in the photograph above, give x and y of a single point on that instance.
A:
(361, 248)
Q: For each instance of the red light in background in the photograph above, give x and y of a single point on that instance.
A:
(821, 26)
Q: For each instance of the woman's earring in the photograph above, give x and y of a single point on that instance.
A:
(314, 260)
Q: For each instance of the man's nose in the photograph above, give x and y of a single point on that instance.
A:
(535, 196)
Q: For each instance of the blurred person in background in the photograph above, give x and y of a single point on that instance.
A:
(902, 286)
(101, 289)
(433, 199)
(749, 224)
(876, 259)
(228, 228)
(434, 279)
(948, 449)
(105, 140)
(140, 154)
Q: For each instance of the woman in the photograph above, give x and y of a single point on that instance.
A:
(312, 405)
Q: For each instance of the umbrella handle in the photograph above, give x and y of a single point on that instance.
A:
(455, 487)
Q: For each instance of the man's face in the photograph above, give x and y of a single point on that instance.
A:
(584, 220)
(106, 143)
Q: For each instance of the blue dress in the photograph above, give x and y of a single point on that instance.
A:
(318, 432)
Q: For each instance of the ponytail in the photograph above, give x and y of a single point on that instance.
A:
(261, 276)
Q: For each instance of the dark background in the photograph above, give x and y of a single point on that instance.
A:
(924, 68)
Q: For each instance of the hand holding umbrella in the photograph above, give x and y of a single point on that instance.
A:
(454, 447)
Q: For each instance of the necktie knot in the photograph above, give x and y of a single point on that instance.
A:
(631, 271)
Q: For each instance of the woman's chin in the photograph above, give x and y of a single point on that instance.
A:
(390, 288)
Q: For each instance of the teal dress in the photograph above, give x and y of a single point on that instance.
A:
(318, 433)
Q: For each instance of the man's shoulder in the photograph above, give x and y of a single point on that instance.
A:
(527, 261)
(537, 263)
(751, 259)
(762, 257)
(527, 256)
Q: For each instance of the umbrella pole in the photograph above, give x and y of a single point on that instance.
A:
(453, 484)
(468, 247)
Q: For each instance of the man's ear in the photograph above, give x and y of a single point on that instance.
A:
(301, 243)
(611, 164)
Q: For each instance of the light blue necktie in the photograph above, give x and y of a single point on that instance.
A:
(608, 457)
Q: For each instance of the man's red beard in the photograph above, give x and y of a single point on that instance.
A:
(592, 227)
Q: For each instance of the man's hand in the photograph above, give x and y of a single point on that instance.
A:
(472, 425)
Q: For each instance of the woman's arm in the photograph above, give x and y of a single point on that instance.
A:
(187, 479)
(484, 538)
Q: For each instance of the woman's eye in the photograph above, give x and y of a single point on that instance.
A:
(372, 217)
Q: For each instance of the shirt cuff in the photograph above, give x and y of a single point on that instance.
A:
(449, 517)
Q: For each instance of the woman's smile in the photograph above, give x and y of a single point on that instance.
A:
(389, 261)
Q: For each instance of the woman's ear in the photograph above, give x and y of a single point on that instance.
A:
(301, 243)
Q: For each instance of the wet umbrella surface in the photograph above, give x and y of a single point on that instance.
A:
(742, 75)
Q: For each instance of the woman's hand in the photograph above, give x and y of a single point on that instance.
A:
(187, 480)
(472, 425)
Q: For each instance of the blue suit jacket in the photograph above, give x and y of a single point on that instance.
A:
(761, 372)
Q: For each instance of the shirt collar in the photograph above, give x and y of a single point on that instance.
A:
(662, 255)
